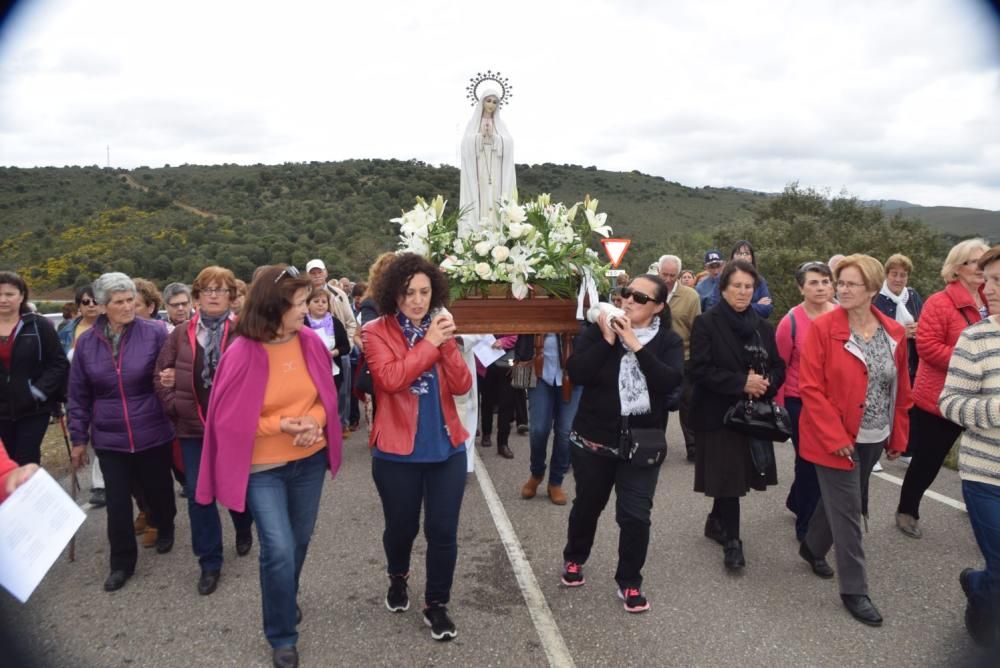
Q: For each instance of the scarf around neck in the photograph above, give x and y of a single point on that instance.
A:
(903, 315)
(325, 323)
(633, 393)
(743, 324)
(413, 333)
(213, 326)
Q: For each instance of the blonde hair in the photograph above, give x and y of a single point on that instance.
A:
(899, 261)
(959, 255)
(870, 269)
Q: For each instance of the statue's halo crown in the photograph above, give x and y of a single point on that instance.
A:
(479, 82)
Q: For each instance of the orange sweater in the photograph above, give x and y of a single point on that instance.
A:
(290, 392)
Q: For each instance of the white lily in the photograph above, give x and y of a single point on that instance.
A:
(519, 288)
(596, 221)
(514, 213)
(438, 204)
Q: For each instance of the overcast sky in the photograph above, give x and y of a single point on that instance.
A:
(886, 99)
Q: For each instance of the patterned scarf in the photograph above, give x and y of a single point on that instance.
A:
(214, 326)
(633, 394)
(413, 333)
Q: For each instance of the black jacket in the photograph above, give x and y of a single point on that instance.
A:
(718, 371)
(594, 366)
(37, 361)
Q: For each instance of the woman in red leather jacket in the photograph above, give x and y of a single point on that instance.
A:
(417, 439)
(944, 316)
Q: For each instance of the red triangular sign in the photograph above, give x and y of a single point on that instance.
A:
(615, 249)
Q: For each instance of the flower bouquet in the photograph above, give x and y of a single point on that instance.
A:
(528, 246)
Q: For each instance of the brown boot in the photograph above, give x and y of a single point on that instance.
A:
(530, 488)
(557, 495)
(149, 538)
(140, 524)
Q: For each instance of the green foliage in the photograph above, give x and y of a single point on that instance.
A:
(63, 226)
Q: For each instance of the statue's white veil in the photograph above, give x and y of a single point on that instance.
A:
(469, 188)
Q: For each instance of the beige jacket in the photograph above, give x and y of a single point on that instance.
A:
(340, 305)
(685, 306)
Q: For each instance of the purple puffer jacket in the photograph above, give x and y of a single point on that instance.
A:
(113, 406)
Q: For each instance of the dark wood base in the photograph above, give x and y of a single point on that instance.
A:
(506, 315)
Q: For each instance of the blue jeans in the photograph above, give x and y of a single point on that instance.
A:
(439, 486)
(284, 502)
(344, 391)
(547, 412)
(206, 529)
(803, 495)
(983, 503)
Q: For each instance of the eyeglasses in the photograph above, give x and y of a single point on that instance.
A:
(849, 285)
(212, 292)
(287, 271)
(88, 302)
(637, 296)
(183, 304)
(742, 254)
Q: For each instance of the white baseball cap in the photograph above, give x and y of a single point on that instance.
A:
(315, 264)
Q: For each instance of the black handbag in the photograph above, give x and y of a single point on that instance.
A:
(759, 418)
(363, 379)
(642, 447)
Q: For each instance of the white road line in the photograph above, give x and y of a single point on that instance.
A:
(931, 494)
(545, 624)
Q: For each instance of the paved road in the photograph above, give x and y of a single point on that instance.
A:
(776, 613)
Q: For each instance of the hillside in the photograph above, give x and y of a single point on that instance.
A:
(952, 220)
(64, 225)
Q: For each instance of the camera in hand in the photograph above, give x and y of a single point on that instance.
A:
(594, 313)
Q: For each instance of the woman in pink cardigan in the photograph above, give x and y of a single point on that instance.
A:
(271, 433)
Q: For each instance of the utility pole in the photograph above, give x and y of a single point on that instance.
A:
(109, 156)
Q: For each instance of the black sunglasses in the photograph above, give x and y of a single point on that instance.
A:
(287, 271)
(638, 297)
(87, 302)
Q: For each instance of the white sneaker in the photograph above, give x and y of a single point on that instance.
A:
(877, 467)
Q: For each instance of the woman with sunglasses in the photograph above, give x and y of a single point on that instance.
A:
(630, 368)
(815, 281)
(733, 355)
(185, 373)
(945, 314)
(855, 389)
(271, 434)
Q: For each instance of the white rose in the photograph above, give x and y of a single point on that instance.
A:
(483, 248)
(483, 270)
(500, 253)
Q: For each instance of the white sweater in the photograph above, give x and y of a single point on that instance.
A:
(971, 398)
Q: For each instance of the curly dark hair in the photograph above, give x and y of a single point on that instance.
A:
(395, 279)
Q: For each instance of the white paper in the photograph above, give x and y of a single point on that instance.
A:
(36, 523)
(485, 352)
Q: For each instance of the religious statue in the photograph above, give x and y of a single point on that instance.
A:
(487, 168)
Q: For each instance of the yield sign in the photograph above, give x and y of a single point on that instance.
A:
(615, 249)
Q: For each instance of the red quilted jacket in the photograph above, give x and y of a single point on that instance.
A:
(945, 315)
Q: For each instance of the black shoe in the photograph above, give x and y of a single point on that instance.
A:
(208, 581)
(442, 628)
(862, 609)
(397, 600)
(116, 580)
(818, 564)
(504, 451)
(243, 543)
(486, 441)
(285, 657)
(714, 530)
(690, 454)
(164, 543)
(522, 429)
(98, 498)
(978, 623)
(733, 550)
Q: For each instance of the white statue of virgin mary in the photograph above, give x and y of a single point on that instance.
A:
(487, 162)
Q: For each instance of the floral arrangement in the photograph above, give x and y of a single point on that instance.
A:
(533, 245)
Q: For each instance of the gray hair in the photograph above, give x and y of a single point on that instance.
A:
(672, 258)
(110, 283)
(175, 289)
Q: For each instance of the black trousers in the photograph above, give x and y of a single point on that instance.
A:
(634, 487)
(22, 438)
(150, 468)
(687, 390)
(932, 438)
(496, 391)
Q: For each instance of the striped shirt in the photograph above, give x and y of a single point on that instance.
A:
(971, 398)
